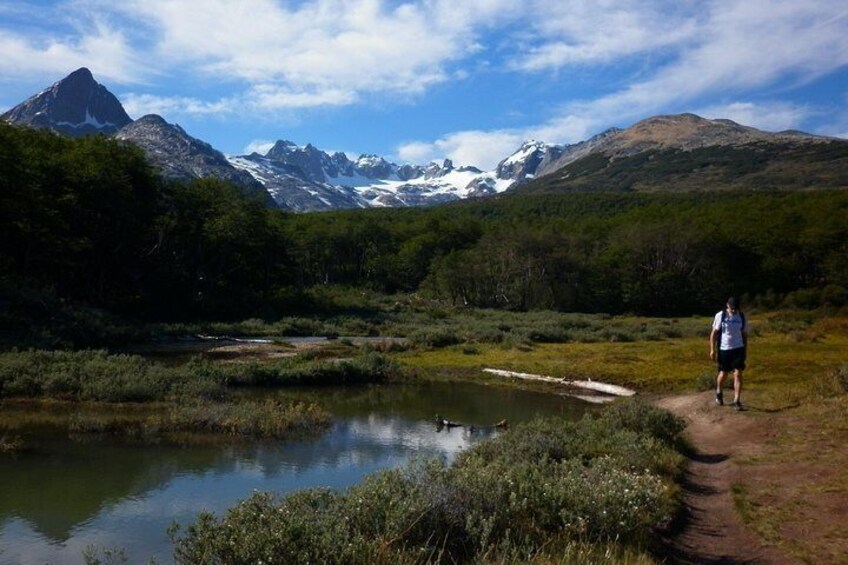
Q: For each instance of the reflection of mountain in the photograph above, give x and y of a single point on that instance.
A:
(64, 484)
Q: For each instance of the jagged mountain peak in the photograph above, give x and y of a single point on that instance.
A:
(181, 156)
(281, 147)
(77, 105)
(305, 178)
(80, 77)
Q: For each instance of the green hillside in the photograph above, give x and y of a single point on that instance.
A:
(761, 166)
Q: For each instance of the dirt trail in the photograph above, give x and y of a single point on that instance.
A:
(712, 531)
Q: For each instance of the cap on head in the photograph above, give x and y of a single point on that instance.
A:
(732, 302)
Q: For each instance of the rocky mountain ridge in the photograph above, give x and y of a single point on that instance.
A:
(183, 157)
(305, 178)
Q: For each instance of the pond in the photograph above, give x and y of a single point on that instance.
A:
(61, 496)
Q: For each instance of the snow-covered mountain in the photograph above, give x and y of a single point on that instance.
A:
(299, 178)
(308, 179)
(77, 105)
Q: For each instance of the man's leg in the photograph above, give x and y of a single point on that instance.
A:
(719, 384)
(737, 387)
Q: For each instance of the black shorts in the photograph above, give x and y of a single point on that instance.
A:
(731, 359)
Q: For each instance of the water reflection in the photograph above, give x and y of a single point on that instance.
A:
(63, 496)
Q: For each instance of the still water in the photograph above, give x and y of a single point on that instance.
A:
(62, 496)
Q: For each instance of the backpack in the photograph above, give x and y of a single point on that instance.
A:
(723, 318)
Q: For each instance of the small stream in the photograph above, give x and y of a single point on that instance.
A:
(62, 496)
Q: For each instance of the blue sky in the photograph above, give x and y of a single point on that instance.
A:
(423, 80)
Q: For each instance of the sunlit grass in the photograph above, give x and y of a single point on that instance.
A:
(797, 379)
(782, 368)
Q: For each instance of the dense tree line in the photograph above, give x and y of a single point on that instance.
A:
(89, 220)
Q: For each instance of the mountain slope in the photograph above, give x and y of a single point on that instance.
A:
(76, 105)
(689, 153)
(181, 156)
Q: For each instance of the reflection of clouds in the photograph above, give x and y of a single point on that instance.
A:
(137, 523)
(21, 543)
(159, 485)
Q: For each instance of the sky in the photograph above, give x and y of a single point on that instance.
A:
(416, 81)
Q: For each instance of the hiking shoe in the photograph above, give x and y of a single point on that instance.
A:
(720, 398)
(737, 406)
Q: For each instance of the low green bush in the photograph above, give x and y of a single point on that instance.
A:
(88, 375)
(434, 337)
(367, 368)
(99, 376)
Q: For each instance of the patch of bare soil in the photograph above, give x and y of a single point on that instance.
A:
(739, 449)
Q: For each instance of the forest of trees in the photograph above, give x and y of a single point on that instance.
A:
(89, 221)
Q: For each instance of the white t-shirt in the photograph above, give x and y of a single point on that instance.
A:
(731, 330)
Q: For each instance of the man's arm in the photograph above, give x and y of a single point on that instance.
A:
(712, 344)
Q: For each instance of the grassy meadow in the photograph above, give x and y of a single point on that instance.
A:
(597, 490)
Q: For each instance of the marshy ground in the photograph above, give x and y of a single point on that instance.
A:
(767, 485)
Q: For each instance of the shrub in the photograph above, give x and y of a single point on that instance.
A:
(98, 376)
(600, 479)
(640, 417)
(368, 368)
(309, 527)
(438, 337)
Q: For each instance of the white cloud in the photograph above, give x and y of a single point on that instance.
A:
(321, 50)
(141, 104)
(261, 146)
(772, 116)
(577, 32)
(102, 48)
(482, 149)
(485, 149)
(739, 47)
(743, 46)
(273, 97)
(418, 152)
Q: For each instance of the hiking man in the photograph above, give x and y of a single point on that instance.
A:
(728, 342)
